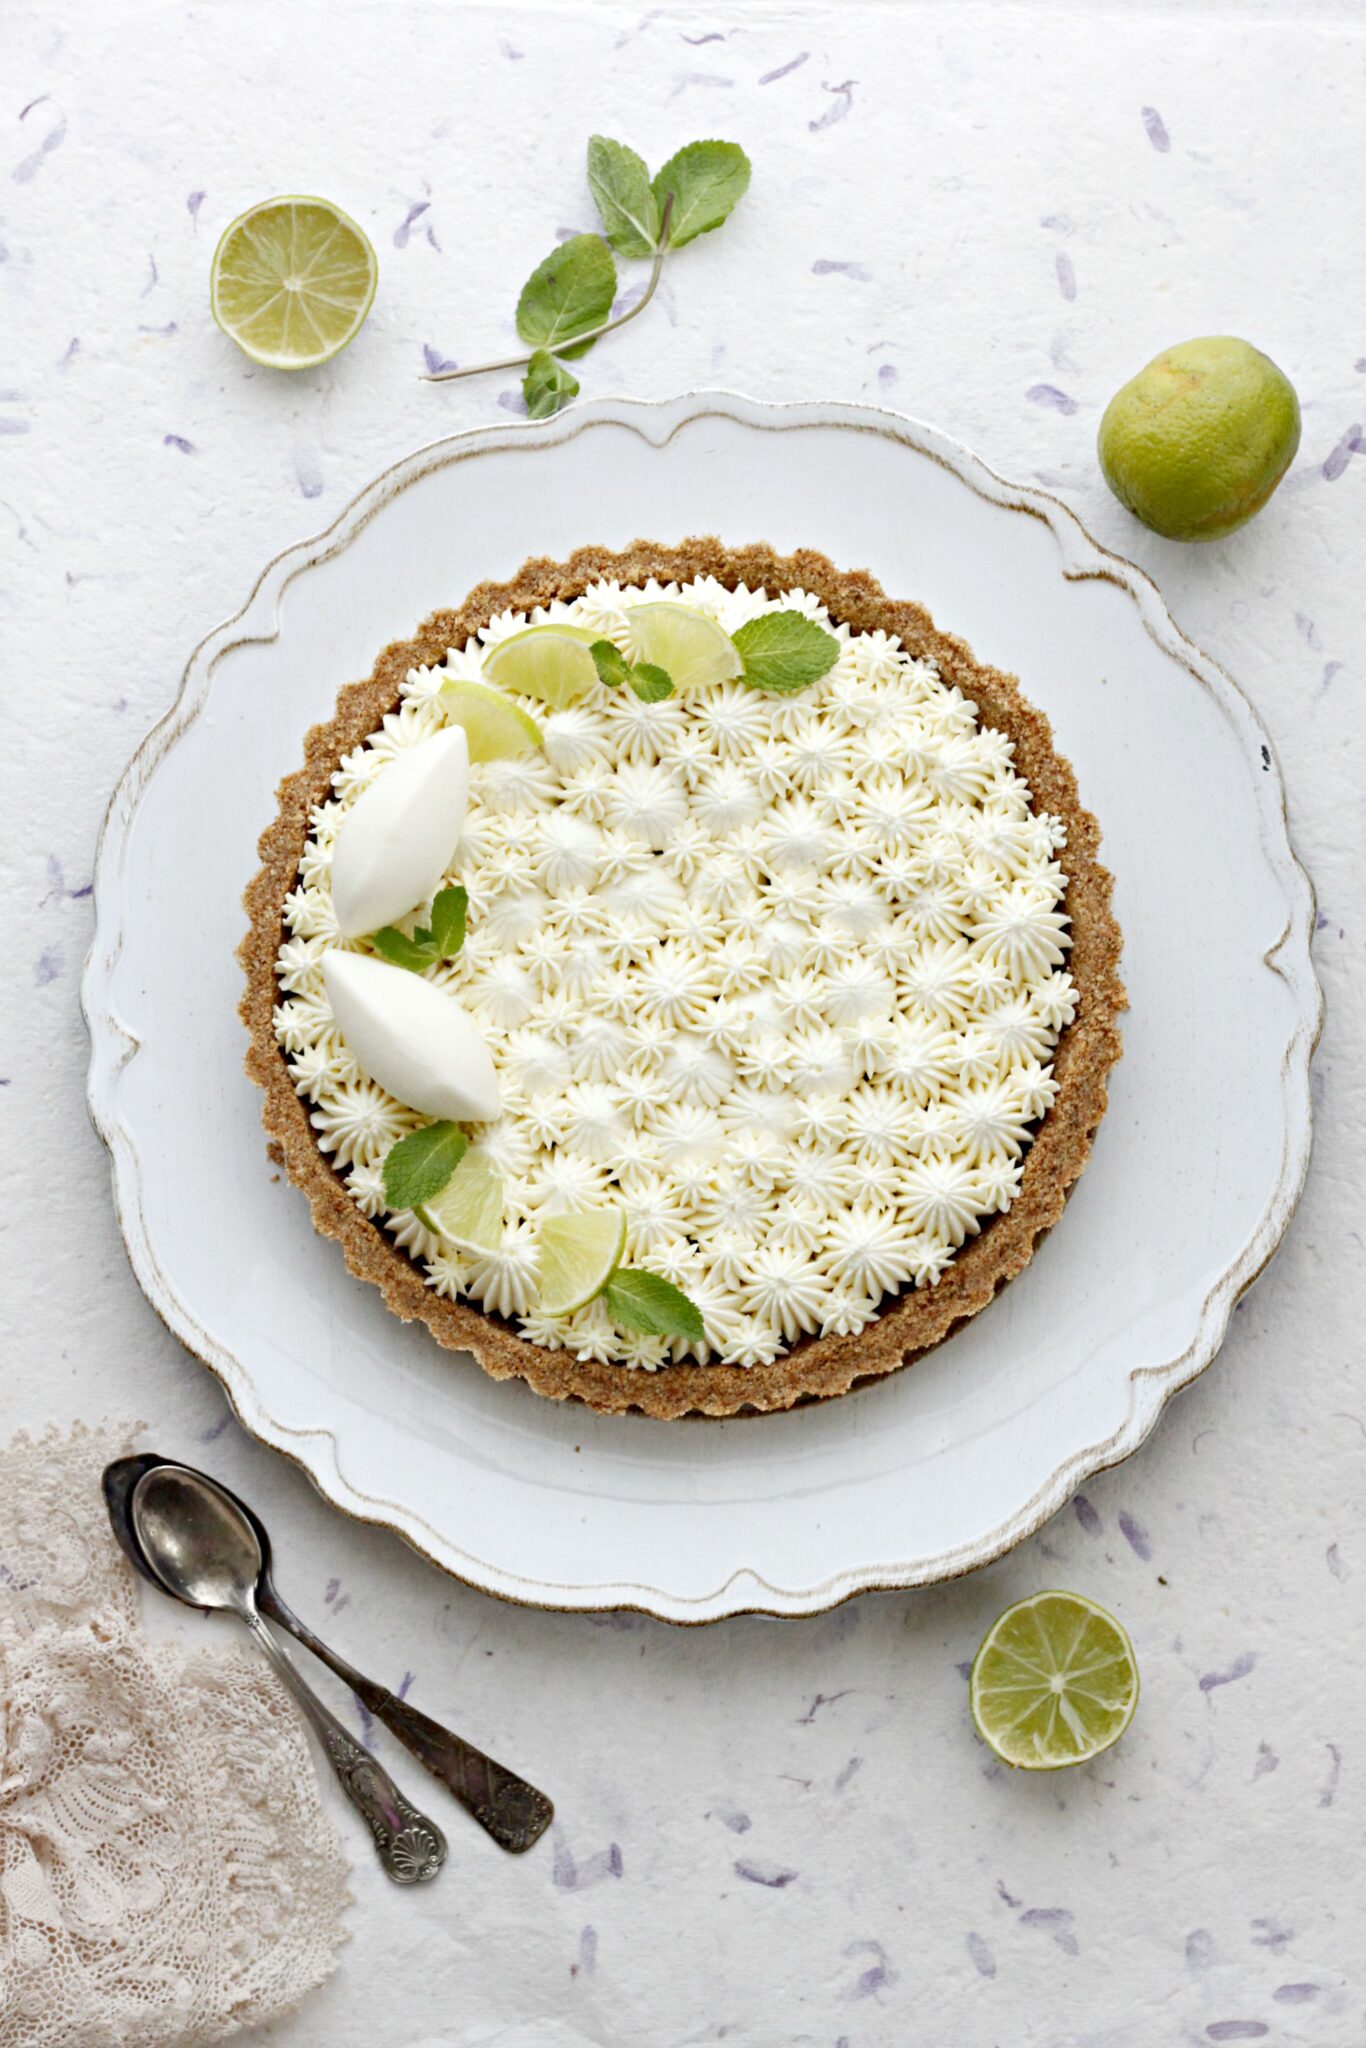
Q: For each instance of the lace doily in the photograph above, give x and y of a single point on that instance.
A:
(167, 1872)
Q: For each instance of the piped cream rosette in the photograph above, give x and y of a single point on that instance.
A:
(781, 976)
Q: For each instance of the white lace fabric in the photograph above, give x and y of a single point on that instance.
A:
(167, 1872)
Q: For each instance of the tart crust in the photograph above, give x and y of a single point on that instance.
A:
(814, 1368)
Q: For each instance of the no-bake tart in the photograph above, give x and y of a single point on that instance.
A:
(683, 978)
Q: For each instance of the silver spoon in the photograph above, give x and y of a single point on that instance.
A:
(206, 1554)
(515, 1813)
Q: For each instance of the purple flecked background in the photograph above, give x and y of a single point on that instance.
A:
(988, 216)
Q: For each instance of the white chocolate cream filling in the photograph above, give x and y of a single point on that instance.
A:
(783, 976)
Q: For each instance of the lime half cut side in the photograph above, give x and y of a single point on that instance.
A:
(496, 729)
(550, 663)
(1054, 1683)
(469, 1210)
(579, 1252)
(692, 648)
(292, 282)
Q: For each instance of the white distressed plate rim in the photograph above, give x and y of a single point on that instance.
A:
(744, 1589)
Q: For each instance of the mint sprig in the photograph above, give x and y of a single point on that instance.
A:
(429, 944)
(784, 651)
(418, 1167)
(652, 1307)
(650, 682)
(566, 303)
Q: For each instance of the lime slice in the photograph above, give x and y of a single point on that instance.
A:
(692, 648)
(495, 727)
(551, 663)
(292, 282)
(579, 1254)
(469, 1210)
(1054, 1682)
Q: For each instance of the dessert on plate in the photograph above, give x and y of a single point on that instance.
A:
(683, 978)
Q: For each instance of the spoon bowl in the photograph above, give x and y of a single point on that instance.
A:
(196, 1539)
(118, 1481)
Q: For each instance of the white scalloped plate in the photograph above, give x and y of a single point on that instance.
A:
(1195, 1175)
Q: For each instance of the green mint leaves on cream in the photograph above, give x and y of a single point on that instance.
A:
(650, 682)
(448, 921)
(566, 303)
(429, 944)
(784, 651)
(417, 1168)
(611, 664)
(651, 1306)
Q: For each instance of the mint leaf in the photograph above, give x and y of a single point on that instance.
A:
(547, 385)
(610, 663)
(448, 920)
(784, 651)
(568, 295)
(427, 946)
(706, 179)
(395, 946)
(417, 1168)
(644, 1302)
(620, 184)
(650, 683)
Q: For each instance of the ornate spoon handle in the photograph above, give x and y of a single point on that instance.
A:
(509, 1809)
(505, 1806)
(410, 1847)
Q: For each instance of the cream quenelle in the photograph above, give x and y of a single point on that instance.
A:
(399, 837)
(411, 1039)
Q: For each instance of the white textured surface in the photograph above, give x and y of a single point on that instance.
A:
(787, 1831)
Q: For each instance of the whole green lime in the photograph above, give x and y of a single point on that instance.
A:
(1200, 438)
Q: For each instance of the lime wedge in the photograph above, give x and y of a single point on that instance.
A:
(469, 1210)
(292, 282)
(495, 727)
(691, 647)
(1054, 1683)
(579, 1254)
(551, 663)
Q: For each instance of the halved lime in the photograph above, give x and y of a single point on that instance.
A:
(1054, 1683)
(469, 1210)
(579, 1254)
(292, 282)
(691, 647)
(495, 727)
(551, 663)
